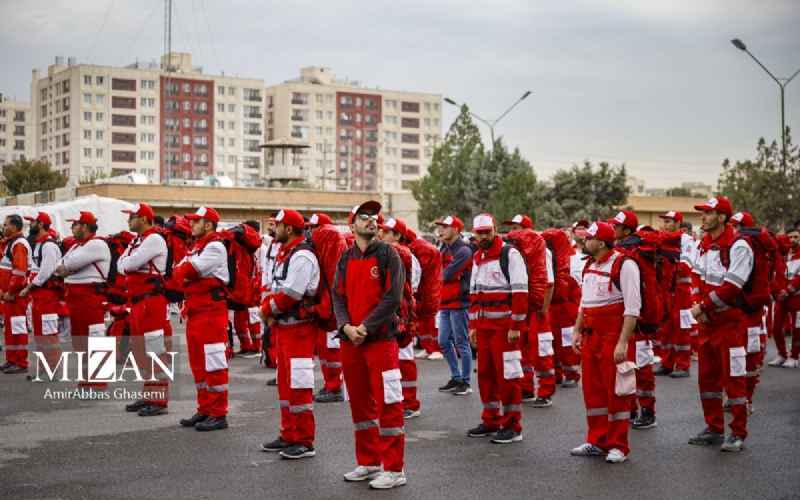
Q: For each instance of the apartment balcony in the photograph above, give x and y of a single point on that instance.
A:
(254, 115)
(253, 131)
(253, 98)
(300, 102)
(298, 118)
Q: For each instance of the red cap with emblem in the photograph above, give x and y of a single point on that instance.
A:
(625, 218)
(206, 213)
(290, 218)
(720, 204)
(522, 220)
(451, 221)
(602, 231)
(40, 217)
(141, 210)
(673, 215)
(85, 218)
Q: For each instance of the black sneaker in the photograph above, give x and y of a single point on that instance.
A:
(680, 374)
(569, 384)
(193, 420)
(528, 397)
(273, 382)
(14, 369)
(212, 424)
(5, 365)
(542, 403)
(662, 371)
(275, 446)
(329, 397)
(480, 431)
(136, 405)
(449, 386)
(462, 389)
(507, 436)
(297, 451)
(152, 411)
(646, 420)
(707, 438)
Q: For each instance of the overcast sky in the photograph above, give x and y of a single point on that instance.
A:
(655, 84)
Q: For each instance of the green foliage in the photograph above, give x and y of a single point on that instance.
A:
(589, 192)
(26, 176)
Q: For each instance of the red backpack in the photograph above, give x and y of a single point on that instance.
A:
(561, 248)
(241, 244)
(643, 248)
(328, 244)
(532, 248)
(756, 292)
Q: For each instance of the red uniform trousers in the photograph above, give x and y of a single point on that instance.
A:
(408, 373)
(562, 321)
(45, 307)
(372, 377)
(645, 377)
(428, 334)
(756, 344)
(330, 359)
(247, 325)
(296, 381)
(677, 347)
(607, 415)
(87, 319)
(538, 350)
(722, 365)
(500, 379)
(206, 339)
(15, 330)
(787, 319)
(151, 337)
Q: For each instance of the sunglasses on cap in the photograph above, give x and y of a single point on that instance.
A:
(368, 217)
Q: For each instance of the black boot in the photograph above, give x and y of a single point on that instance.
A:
(212, 424)
(193, 420)
(136, 405)
(152, 410)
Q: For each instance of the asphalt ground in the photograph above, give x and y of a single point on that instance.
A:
(52, 448)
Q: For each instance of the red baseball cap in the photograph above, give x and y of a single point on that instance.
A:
(602, 231)
(206, 213)
(396, 225)
(483, 222)
(40, 217)
(290, 218)
(673, 215)
(625, 218)
(451, 221)
(522, 220)
(141, 210)
(720, 204)
(319, 219)
(85, 218)
(744, 219)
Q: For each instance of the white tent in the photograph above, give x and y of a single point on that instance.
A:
(108, 211)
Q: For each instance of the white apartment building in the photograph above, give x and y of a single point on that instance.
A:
(169, 122)
(16, 130)
(360, 138)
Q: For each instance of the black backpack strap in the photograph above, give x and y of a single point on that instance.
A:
(504, 251)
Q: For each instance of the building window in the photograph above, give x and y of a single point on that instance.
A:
(231, 108)
(98, 135)
(410, 138)
(410, 169)
(220, 90)
(87, 99)
(87, 152)
(87, 79)
(87, 116)
(99, 153)
(123, 102)
(410, 153)
(123, 120)
(98, 117)
(220, 108)
(221, 124)
(410, 107)
(231, 90)
(123, 84)
(87, 134)
(407, 185)
(123, 138)
(410, 122)
(100, 80)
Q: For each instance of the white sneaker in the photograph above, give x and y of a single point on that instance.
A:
(387, 480)
(587, 450)
(363, 472)
(423, 354)
(615, 456)
(791, 363)
(777, 361)
(435, 356)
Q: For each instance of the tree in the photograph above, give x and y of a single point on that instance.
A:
(509, 185)
(679, 191)
(760, 187)
(448, 186)
(587, 192)
(26, 176)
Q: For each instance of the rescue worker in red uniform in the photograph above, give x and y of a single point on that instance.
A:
(366, 297)
(204, 275)
(676, 345)
(604, 337)
(244, 300)
(85, 269)
(288, 310)
(643, 409)
(144, 264)
(392, 232)
(787, 309)
(498, 312)
(14, 267)
(428, 295)
(723, 335)
(329, 245)
(45, 289)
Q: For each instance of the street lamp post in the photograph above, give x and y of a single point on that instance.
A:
(782, 83)
(491, 124)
